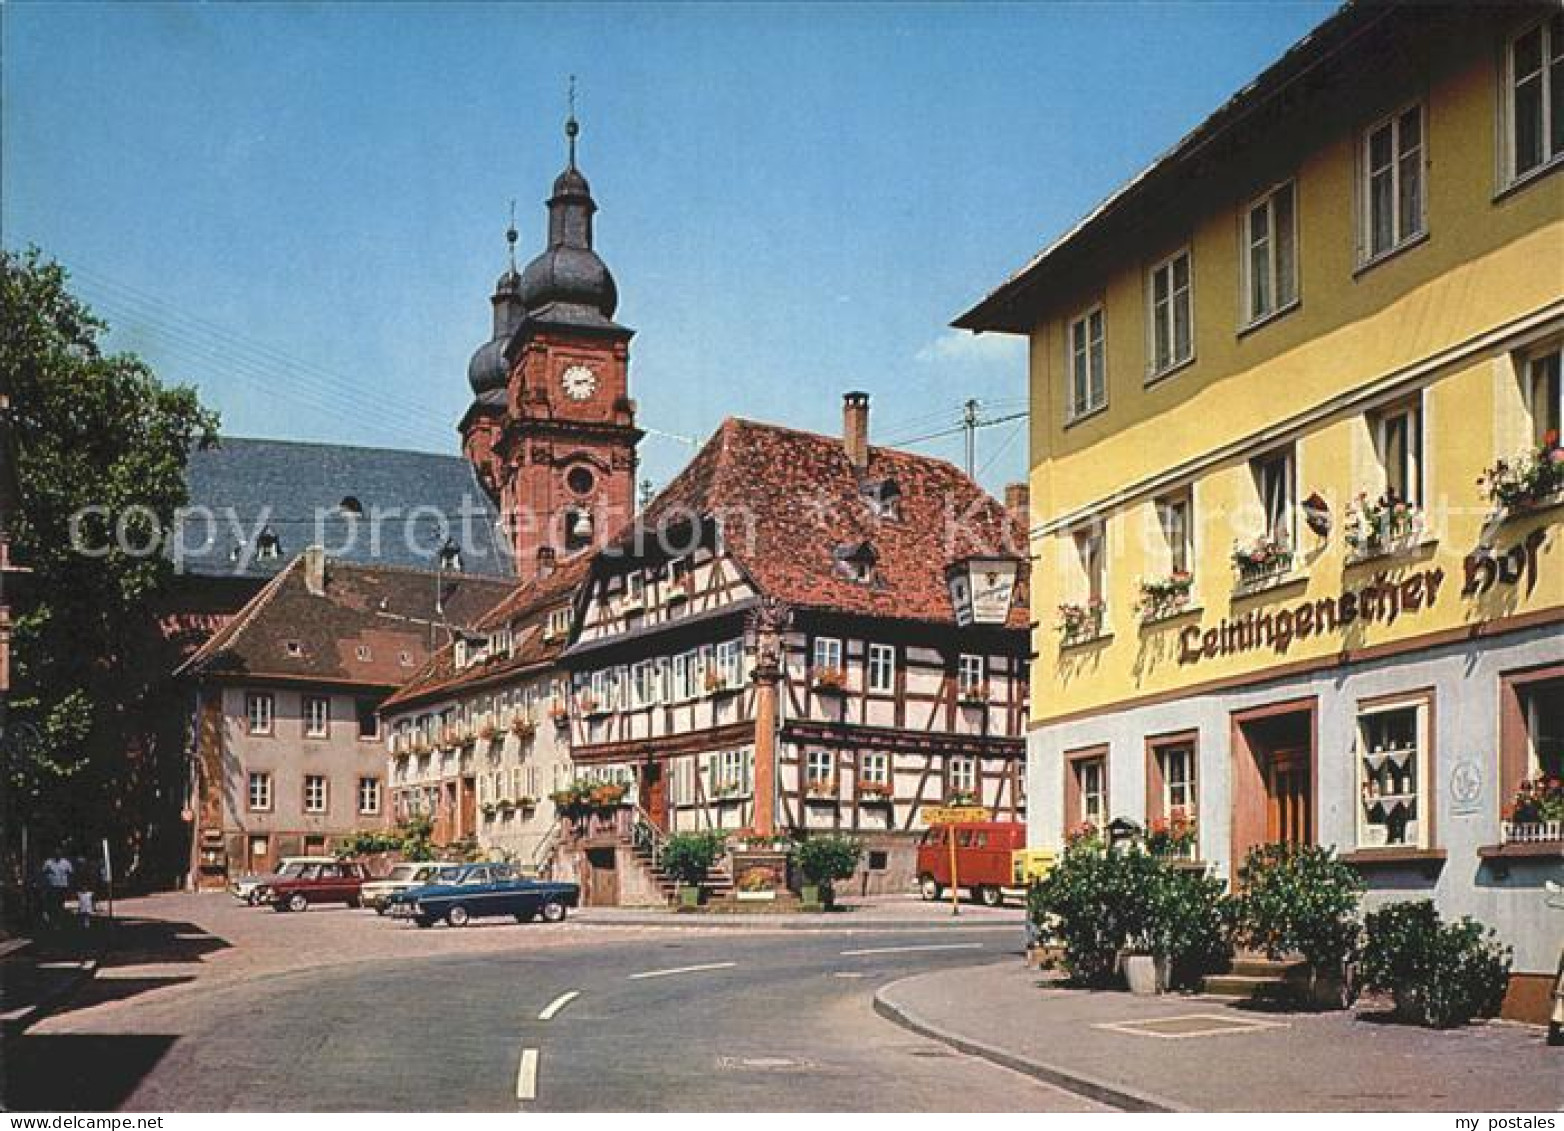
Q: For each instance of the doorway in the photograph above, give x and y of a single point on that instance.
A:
(653, 793)
(601, 886)
(1273, 756)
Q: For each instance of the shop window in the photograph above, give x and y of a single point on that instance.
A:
(1393, 772)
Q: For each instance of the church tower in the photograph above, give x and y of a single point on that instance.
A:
(551, 430)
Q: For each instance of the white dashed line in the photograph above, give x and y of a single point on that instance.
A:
(527, 1075)
(682, 970)
(557, 1004)
(910, 949)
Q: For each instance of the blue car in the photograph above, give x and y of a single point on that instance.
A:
(485, 890)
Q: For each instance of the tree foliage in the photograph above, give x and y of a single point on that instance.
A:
(101, 447)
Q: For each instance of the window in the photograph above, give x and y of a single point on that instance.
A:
(314, 793)
(1175, 521)
(317, 716)
(971, 674)
(368, 719)
(1270, 258)
(1393, 775)
(1091, 788)
(962, 772)
(368, 796)
(599, 692)
(820, 772)
(260, 792)
(635, 590)
(641, 686)
(363, 653)
(1178, 779)
(1545, 397)
(1093, 581)
(874, 769)
(259, 709)
(1087, 364)
(1391, 188)
(730, 663)
(1171, 318)
(882, 668)
(731, 772)
(828, 654)
(1398, 436)
(1535, 100)
(664, 680)
(1273, 477)
(558, 623)
(685, 675)
(259, 847)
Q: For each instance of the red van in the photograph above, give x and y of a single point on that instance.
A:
(983, 859)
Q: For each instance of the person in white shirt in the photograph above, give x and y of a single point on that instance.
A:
(57, 872)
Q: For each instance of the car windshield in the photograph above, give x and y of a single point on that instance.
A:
(403, 872)
(447, 874)
(292, 868)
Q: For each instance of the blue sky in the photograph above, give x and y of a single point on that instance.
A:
(300, 208)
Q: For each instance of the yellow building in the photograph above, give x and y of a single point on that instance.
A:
(1267, 376)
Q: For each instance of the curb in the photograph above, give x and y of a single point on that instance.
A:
(1113, 1095)
(833, 925)
(14, 1023)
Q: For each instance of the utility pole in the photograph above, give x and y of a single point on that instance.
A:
(969, 422)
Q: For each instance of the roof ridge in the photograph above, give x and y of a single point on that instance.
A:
(224, 438)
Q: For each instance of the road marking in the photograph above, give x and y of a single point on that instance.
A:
(910, 949)
(682, 970)
(527, 1075)
(557, 1004)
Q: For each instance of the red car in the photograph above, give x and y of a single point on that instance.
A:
(319, 883)
(983, 859)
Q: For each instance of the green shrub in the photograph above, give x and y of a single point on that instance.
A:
(412, 838)
(1098, 901)
(1299, 899)
(1441, 974)
(688, 856)
(825, 859)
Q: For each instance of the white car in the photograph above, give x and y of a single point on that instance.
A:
(247, 889)
(378, 893)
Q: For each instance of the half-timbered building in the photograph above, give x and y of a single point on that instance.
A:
(880, 701)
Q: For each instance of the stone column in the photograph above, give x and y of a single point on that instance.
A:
(768, 623)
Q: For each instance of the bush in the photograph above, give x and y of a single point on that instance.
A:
(1441, 974)
(412, 838)
(1299, 899)
(1099, 901)
(688, 856)
(825, 859)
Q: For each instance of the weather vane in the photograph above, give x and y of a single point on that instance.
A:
(510, 234)
(572, 128)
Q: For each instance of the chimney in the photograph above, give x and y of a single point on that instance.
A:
(545, 561)
(1018, 505)
(855, 430)
(315, 571)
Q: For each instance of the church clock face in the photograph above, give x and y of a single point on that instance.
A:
(579, 382)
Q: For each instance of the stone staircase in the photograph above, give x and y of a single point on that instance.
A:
(719, 877)
(1252, 977)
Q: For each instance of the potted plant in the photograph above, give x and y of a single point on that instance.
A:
(961, 797)
(1300, 900)
(829, 680)
(488, 732)
(1440, 974)
(1375, 526)
(1261, 558)
(1079, 622)
(821, 789)
(1518, 484)
(560, 714)
(974, 695)
(875, 791)
(1172, 836)
(523, 727)
(715, 683)
(1536, 811)
(687, 858)
(1163, 596)
(822, 861)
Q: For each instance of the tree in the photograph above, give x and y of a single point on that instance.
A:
(101, 450)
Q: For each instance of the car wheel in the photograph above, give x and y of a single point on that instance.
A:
(526, 916)
(354, 903)
(253, 899)
(380, 909)
(929, 888)
(297, 902)
(1555, 1033)
(554, 911)
(423, 922)
(457, 916)
(990, 896)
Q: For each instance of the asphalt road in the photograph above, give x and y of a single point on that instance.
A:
(717, 1022)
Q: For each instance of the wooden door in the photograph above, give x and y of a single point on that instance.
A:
(468, 821)
(1289, 798)
(654, 794)
(602, 878)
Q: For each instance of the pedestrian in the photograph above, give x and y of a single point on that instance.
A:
(57, 872)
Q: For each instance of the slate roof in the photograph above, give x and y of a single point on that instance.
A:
(789, 502)
(525, 610)
(286, 632)
(297, 489)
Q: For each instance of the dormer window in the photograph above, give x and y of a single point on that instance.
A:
(295, 649)
(268, 547)
(350, 506)
(884, 499)
(856, 561)
(461, 654)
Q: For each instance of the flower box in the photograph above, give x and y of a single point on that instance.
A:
(523, 727)
(821, 790)
(830, 681)
(962, 797)
(1163, 596)
(718, 685)
(1531, 832)
(1079, 623)
(1385, 525)
(1536, 813)
(1530, 480)
(488, 732)
(974, 696)
(872, 792)
(1261, 562)
(560, 715)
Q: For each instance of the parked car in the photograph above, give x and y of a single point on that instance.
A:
(377, 893)
(338, 882)
(246, 889)
(984, 865)
(485, 890)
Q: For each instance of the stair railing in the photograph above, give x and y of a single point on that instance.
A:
(646, 837)
(544, 852)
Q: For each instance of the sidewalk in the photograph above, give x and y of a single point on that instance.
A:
(1207, 1055)
(37, 975)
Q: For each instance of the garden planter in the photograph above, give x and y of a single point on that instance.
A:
(1146, 974)
(690, 896)
(810, 894)
(1333, 987)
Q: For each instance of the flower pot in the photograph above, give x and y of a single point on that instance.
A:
(1336, 988)
(810, 894)
(690, 895)
(1146, 974)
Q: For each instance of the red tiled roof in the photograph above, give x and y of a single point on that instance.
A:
(525, 609)
(287, 632)
(789, 502)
